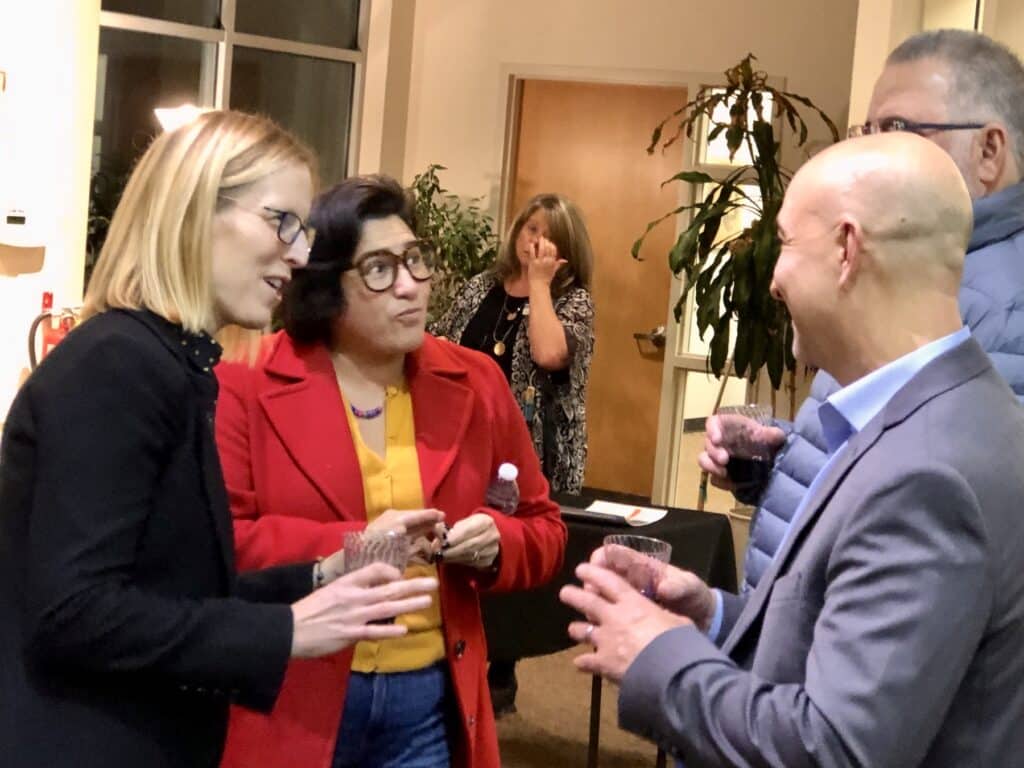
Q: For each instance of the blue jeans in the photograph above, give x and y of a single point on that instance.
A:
(396, 720)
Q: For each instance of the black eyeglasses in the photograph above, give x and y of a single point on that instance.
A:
(379, 269)
(889, 124)
(288, 224)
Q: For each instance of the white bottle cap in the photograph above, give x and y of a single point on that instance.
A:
(508, 471)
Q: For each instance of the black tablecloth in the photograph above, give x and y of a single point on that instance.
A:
(534, 623)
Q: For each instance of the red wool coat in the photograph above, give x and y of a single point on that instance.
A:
(295, 487)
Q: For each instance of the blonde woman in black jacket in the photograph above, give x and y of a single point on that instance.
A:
(124, 629)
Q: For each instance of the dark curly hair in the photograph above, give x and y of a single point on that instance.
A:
(313, 299)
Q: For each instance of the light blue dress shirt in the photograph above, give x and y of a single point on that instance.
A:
(848, 411)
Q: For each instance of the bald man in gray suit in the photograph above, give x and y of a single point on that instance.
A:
(889, 629)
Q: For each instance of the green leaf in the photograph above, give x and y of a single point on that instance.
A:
(734, 139)
(691, 177)
(741, 351)
(655, 138)
(677, 310)
(635, 250)
(684, 250)
(775, 360)
(758, 346)
(744, 277)
(719, 347)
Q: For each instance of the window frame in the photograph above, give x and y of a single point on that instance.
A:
(226, 38)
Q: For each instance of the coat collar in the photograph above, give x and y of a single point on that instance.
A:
(997, 217)
(949, 370)
(304, 407)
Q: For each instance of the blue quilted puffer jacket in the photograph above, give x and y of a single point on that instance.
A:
(992, 306)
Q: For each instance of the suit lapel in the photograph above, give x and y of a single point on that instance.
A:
(304, 407)
(442, 406)
(843, 463)
(945, 372)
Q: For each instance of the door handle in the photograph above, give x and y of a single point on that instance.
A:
(656, 336)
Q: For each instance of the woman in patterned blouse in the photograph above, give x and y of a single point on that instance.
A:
(532, 312)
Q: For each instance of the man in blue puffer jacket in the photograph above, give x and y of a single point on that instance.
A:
(965, 92)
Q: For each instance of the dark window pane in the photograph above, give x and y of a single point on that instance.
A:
(324, 22)
(312, 97)
(139, 72)
(136, 74)
(203, 13)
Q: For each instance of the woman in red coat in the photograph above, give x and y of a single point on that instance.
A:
(353, 417)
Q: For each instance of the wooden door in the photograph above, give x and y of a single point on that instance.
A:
(587, 141)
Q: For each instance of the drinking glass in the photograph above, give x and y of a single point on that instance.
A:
(750, 460)
(365, 547)
(644, 572)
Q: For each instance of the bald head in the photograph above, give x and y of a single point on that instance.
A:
(904, 193)
(874, 232)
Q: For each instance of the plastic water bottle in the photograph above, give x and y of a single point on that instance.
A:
(503, 492)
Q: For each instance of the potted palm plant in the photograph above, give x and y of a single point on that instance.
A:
(730, 277)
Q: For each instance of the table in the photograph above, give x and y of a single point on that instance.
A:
(701, 542)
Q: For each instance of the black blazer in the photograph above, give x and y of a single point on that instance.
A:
(124, 632)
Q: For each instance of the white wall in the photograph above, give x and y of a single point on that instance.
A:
(881, 26)
(48, 49)
(1004, 20)
(946, 14)
(462, 47)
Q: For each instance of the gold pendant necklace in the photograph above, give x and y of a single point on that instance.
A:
(500, 347)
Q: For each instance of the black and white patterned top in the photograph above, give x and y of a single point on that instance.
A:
(558, 416)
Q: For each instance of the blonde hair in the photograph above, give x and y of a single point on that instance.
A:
(566, 230)
(157, 253)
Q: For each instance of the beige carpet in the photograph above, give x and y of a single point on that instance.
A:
(552, 723)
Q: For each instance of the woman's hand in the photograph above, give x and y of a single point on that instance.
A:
(339, 615)
(543, 262)
(413, 522)
(421, 525)
(473, 541)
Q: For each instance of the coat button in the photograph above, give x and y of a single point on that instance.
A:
(460, 649)
(472, 720)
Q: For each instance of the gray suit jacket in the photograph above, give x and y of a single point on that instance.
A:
(889, 630)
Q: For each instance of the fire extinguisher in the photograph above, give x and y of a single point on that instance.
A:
(52, 332)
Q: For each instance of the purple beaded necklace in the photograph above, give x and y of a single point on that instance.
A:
(370, 413)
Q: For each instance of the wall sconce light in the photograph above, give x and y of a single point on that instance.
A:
(175, 117)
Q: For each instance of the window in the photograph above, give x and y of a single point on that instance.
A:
(292, 89)
(333, 23)
(297, 62)
(203, 13)
(137, 72)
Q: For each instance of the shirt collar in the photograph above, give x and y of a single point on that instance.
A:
(201, 350)
(850, 409)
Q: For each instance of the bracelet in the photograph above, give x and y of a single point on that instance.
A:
(318, 573)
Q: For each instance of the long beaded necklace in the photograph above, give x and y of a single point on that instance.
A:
(510, 316)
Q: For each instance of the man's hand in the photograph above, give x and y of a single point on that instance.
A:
(473, 541)
(679, 591)
(724, 434)
(621, 621)
(339, 615)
